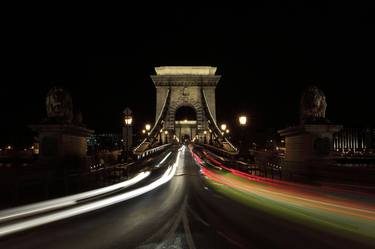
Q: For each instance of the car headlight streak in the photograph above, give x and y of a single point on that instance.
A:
(84, 208)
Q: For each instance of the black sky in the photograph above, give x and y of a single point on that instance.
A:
(266, 56)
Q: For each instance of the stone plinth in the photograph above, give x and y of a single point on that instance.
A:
(60, 141)
(309, 141)
(307, 145)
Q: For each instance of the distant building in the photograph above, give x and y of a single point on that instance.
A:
(354, 139)
(373, 139)
(105, 141)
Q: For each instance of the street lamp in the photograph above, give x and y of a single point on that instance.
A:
(160, 138)
(166, 136)
(148, 127)
(242, 119)
(127, 131)
(223, 127)
(128, 118)
(210, 142)
(143, 131)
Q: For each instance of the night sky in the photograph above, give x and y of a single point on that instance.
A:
(266, 57)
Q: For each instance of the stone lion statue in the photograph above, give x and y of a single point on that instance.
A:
(59, 106)
(313, 105)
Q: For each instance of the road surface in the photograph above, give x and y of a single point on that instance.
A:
(189, 211)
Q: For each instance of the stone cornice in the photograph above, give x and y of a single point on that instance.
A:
(307, 129)
(184, 70)
(185, 80)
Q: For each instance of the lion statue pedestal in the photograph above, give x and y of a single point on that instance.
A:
(61, 136)
(309, 143)
(61, 142)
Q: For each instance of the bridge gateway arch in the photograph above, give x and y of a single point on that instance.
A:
(185, 86)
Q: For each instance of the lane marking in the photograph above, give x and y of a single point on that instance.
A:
(189, 237)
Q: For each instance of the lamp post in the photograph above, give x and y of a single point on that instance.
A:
(210, 142)
(243, 122)
(160, 137)
(166, 136)
(147, 130)
(242, 119)
(148, 127)
(127, 132)
(227, 132)
(223, 127)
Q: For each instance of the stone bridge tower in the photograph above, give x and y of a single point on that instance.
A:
(185, 86)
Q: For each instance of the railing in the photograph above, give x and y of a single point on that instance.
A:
(29, 216)
(219, 151)
(10, 216)
(152, 151)
(36, 183)
(329, 170)
(54, 204)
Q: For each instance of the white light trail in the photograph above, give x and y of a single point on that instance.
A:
(50, 205)
(162, 161)
(63, 214)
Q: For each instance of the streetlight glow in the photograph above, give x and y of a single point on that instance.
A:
(227, 131)
(128, 120)
(143, 131)
(242, 120)
(148, 127)
(128, 116)
(223, 127)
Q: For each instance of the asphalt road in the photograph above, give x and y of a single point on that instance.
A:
(183, 213)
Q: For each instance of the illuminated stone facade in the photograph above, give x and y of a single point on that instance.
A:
(354, 139)
(185, 85)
